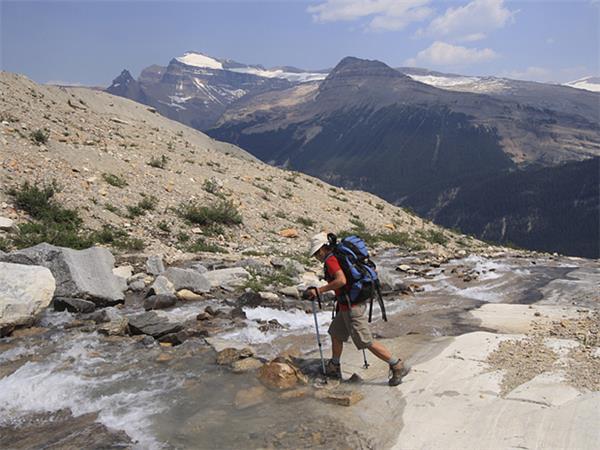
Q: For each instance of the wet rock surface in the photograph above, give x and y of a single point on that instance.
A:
(78, 273)
(61, 430)
(187, 400)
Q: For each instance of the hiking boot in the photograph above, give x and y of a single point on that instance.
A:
(333, 370)
(397, 372)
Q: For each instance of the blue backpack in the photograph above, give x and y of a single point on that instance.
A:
(362, 281)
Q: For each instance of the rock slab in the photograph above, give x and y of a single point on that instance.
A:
(187, 279)
(85, 274)
(25, 291)
(152, 324)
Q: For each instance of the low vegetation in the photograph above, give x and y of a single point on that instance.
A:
(39, 136)
(260, 280)
(57, 225)
(114, 180)
(223, 212)
(159, 163)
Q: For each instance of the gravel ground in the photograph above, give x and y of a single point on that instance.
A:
(524, 359)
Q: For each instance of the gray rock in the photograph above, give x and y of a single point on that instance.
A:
(152, 324)
(137, 285)
(253, 299)
(291, 291)
(188, 279)
(228, 276)
(85, 274)
(155, 265)
(161, 286)
(199, 268)
(73, 305)
(123, 271)
(6, 223)
(25, 291)
(287, 263)
(159, 302)
(115, 327)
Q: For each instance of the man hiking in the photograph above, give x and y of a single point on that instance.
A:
(350, 319)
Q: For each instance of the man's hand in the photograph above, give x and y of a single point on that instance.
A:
(310, 293)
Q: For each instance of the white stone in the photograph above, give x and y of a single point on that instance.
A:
(24, 292)
(6, 223)
(226, 276)
(123, 271)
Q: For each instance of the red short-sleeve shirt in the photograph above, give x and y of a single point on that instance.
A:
(332, 266)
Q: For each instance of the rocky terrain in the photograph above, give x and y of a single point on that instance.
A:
(120, 163)
(175, 320)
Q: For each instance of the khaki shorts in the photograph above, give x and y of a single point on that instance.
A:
(352, 324)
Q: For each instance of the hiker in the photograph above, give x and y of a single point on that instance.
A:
(349, 320)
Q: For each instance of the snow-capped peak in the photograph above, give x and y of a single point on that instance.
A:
(587, 83)
(196, 59)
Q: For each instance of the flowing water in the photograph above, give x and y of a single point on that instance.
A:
(187, 401)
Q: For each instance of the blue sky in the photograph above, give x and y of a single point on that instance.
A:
(90, 42)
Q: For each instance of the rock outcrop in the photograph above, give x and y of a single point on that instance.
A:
(85, 274)
(24, 292)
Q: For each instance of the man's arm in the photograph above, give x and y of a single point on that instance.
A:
(339, 280)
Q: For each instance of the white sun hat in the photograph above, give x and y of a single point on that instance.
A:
(318, 241)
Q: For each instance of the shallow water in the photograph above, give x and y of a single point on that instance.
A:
(188, 401)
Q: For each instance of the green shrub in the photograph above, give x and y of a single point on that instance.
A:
(307, 222)
(211, 186)
(200, 245)
(159, 163)
(148, 203)
(259, 281)
(399, 238)
(223, 212)
(117, 238)
(60, 226)
(114, 180)
(39, 136)
(164, 226)
(4, 244)
(433, 236)
(112, 208)
(281, 215)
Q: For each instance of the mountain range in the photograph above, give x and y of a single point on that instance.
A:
(421, 139)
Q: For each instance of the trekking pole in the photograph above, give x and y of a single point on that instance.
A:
(314, 310)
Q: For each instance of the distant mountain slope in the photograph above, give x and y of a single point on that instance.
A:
(543, 208)
(108, 154)
(196, 89)
(370, 127)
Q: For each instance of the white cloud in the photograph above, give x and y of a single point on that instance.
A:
(531, 73)
(550, 40)
(547, 75)
(386, 15)
(64, 83)
(444, 54)
(471, 21)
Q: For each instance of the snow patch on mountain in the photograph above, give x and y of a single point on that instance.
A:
(298, 77)
(463, 83)
(199, 60)
(587, 83)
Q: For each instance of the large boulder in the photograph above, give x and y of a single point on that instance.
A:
(153, 325)
(24, 292)
(230, 276)
(85, 274)
(187, 279)
(155, 265)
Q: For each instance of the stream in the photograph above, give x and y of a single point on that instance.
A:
(56, 374)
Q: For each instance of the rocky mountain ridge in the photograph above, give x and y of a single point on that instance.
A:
(120, 163)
